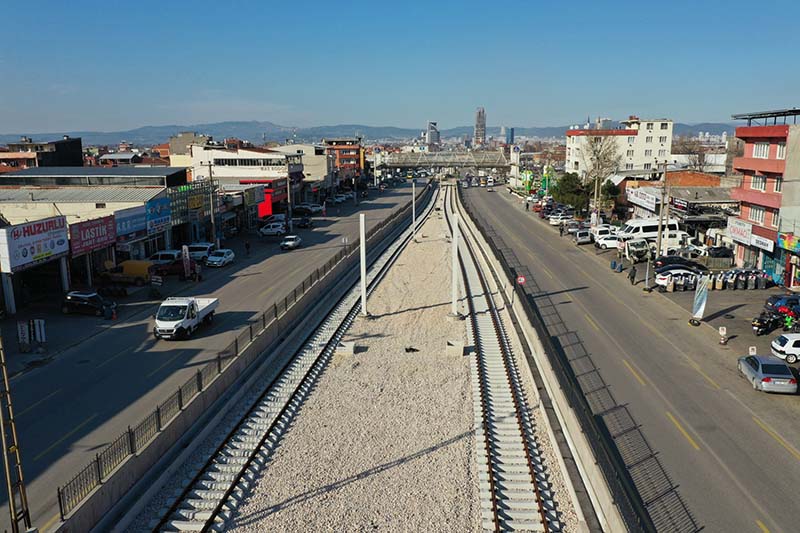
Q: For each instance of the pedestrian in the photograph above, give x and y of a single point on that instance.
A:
(526, 206)
(247, 247)
(632, 274)
(561, 230)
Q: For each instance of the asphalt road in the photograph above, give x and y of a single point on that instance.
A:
(731, 453)
(70, 409)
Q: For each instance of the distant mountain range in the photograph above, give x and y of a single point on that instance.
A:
(257, 132)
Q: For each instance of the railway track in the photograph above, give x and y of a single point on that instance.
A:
(212, 495)
(514, 491)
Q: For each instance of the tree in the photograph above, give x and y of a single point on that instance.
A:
(570, 190)
(692, 148)
(601, 158)
(609, 191)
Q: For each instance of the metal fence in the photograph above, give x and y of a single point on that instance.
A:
(623, 489)
(72, 493)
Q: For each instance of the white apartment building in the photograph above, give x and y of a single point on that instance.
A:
(642, 145)
(318, 169)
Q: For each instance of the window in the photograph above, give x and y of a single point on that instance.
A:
(778, 184)
(648, 166)
(665, 125)
(630, 153)
(631, 140)
(761, 150)
(628, 166)
(757, 214)
(662, 152)
(100, 206)
(758, 183)
(662, 139)
(776, 219)
(781, 150)
(649, 125)
(648, 153)
(648, 139)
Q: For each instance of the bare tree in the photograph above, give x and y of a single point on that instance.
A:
(601, 157)
(693, 149)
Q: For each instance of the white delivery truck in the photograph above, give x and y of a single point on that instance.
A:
(178, 318)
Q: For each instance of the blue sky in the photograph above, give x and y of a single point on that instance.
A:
(81, 65)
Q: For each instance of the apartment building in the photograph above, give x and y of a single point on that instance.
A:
(770, 168)
(642, 145)
(318, 170)
(28, 153)
(348, 156)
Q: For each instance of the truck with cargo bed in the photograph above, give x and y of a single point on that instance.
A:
(179, 318)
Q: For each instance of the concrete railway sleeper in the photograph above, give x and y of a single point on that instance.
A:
(515, 493)
(208, 500)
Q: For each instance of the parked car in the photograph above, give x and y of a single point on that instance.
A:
(220, 258)
(787, 347)
(720, 251)
(86, 302)
(573, 226)
(165, 256)
(768, 373)
(608, 241)
(777, 301)
(273, 229)
(603, 230)
(304, 222)
(290, 242)
(176, 269)
(339, 199)
(301, 210)
(131, 271)
(583, 236)
(665, 260)
(312, 209)
(199, 251)
(665, 274)
(555, 220)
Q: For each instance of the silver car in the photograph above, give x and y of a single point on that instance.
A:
(767, 373)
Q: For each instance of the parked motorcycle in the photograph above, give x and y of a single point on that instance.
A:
(766, 322)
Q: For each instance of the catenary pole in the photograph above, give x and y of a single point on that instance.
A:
(362, 236)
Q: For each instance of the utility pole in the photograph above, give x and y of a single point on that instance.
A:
(413, 210)
(665, 192)
(454, 288)
(362, 236)
(12, 460)
(214, 237)
(289, 196)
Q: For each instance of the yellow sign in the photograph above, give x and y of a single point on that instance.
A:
(195, 202)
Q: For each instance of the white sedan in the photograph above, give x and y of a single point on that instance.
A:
(666, 274)
(220, 258)
(607, 241)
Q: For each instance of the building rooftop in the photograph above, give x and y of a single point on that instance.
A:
(78, 194)
(766, 115)
(703, 195)
(119, 156)
(102, 172)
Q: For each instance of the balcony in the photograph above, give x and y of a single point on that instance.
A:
(751, 196)
(772, 166)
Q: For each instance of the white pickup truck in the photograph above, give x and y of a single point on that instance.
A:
(178, 318)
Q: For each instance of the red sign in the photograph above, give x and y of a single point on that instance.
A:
(521, 280)
(92, 235)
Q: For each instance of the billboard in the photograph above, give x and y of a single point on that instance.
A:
(159, 215)
(92, 235)
(131, 221)
(25, 245)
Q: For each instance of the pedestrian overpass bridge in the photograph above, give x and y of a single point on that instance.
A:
(478, 159)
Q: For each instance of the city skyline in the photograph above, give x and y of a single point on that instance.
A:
(164, 64)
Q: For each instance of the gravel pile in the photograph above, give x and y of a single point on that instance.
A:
(385, 440)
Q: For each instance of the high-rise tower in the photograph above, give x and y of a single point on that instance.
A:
(480, 127)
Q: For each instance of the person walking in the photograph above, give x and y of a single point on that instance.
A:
(526, 206)
(247, 247)
(561, 230)
(632, 274)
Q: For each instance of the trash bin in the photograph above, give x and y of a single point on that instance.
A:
(619, 267)
(613, 264)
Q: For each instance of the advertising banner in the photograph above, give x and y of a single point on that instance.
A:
(762, 242)
(740, 230)
(159, 215)
(642, 198)
(32, 243)
(700, 298)
(187, 262)
(789, 241)
(130, 221)
(92, 235)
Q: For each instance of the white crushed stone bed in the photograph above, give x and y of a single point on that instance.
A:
(384, 442)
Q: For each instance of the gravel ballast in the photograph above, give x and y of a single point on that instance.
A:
(384, 442)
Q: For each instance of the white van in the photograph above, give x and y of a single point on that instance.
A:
(647, 228)
(490, 181)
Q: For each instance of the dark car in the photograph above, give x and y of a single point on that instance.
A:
(86, 302)
(781, 300)
(665, 260)
(720, 251)
(302, 211)
(175, 268)
(304, 222)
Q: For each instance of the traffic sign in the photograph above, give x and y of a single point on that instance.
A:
(521, 280)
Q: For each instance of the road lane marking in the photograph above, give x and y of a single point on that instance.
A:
(547, 271)
(780, 440)
(762, 527)
(699, 370)
(50, 522)
(120, 354)
(634, 372)
(165, 363)
(683, 431)
(65, 437)
(37, 403)
(592, 322)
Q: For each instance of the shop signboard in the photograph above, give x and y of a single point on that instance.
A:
(195, 201)
(642, 198)
(92, 235)
(159, 215)
(25, 245)
(740, 230)
(131, 221)
(762, 242)
(789, 241)
(679, 204)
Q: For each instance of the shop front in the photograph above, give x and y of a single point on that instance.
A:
(158, 221)
(133, 242)
(275, 195)
(33, 261)
(91, 243)
(192, 211)
(789, 246)
(755, 248)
